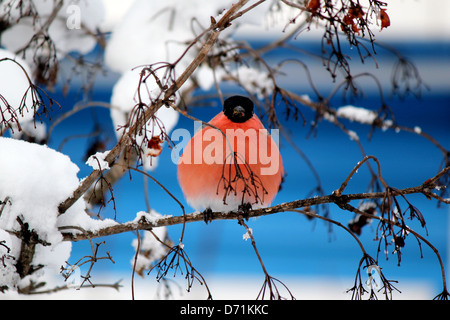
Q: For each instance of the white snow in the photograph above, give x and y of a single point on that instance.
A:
(34, 181)
(166, 25)
(364, 116)
(255, 81)
(67, 30)
(35, 129)
(353, 135)
(150, 217)
(16, 101)
(14, 87)
(357, 114)
(248, 234)
(97, 161)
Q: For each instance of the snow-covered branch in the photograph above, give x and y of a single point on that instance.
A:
(142, 222)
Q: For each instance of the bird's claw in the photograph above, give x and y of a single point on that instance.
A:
(243, 210)
(207, 215)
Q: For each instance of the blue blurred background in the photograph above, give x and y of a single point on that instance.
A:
(291, 246)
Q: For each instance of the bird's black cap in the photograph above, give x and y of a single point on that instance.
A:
(238, 108)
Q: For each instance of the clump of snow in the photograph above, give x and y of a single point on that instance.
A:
(97, 161)
(387, 124)
(329, 116)
(16, 99)
(34, 181)
(364, 116)
(248, 234)
(353, 135)
(255, 81)
(166, 25)
(151, 217)
(31, 129)
(306, 97)
(14, 88)
(357, 114)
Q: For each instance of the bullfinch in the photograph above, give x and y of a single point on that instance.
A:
(232, 164)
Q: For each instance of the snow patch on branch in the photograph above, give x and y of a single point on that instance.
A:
(97, 161)
(357, 114)
(365, 116)
(151, 217)
(248, 234)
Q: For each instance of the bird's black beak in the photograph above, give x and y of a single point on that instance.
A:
(238, 112)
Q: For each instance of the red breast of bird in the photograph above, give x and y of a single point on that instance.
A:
(240, 164)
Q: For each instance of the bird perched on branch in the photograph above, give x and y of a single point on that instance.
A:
(232, 163)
